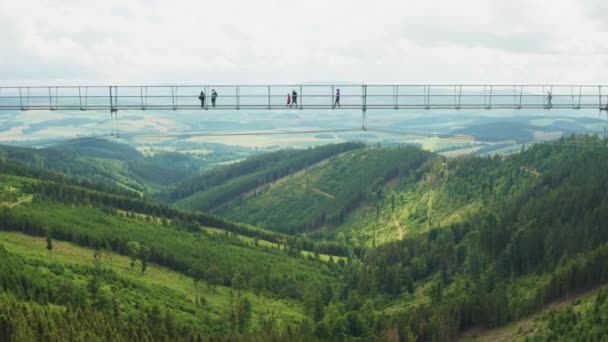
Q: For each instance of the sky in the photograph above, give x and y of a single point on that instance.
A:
(122, 42)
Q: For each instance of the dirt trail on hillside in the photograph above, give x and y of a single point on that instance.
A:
(319, 191)
(22, 200)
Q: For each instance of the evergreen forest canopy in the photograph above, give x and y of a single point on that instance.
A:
(340, 242)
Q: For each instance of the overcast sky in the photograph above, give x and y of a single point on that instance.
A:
(268, 41)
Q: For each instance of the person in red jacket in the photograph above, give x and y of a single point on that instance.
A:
(288, 100)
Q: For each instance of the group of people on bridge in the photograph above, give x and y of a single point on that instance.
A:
(292, 99)
(213, 98)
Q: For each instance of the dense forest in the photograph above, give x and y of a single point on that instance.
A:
(467, 243)
(535, 239)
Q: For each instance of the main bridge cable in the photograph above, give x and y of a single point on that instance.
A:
(71, 141)
(367, 129)
(228, 134)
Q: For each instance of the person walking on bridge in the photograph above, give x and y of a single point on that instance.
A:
(288, 100)
(213, 97)
(549, 98)
(202, 98)
(337, 102)
(294, 98)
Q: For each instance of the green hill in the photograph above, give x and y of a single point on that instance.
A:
(325, 193)
(94, 218)
(114, 296)
(150, 234)
(118, 163)
(218, 186)
(439, 193)
(431, 248)
(538, 235)
(108, 162)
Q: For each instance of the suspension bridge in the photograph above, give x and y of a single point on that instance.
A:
(304, 97)
(271, 97)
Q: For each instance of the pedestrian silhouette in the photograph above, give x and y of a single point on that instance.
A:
(202, 98)
(288, 100)
(549, 98)
(213, 97)
(337, 102)
(294, 98)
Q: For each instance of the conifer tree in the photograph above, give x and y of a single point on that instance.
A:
(49, 244)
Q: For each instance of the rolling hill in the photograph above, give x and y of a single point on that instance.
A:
(118, 163)
(246, 275)
(432, 248)
(216, 187)
(323, 195)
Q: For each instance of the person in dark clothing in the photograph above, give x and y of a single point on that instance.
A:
(294, 98)
(337, 103)
(213, 97)
(549, 98)
(202, 98)
(288, 100)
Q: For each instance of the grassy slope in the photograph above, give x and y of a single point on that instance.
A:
(155, 276)
(252, 241)
(442, 192)
(193, 245)
(11, 195)
(206, 248)
(418, 204)
(325, 193)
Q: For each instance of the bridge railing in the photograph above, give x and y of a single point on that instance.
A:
(309, 96)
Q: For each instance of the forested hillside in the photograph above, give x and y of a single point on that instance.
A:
(115, 163)
(534, 240)
(215, 187)
(434, 248)
(326, 193)
(99, 297)
(243, 259)
(580, 316)
(438, 193)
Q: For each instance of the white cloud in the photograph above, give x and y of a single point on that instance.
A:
(270, 41)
